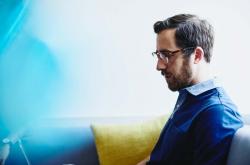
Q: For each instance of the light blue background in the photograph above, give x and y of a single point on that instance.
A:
(93, 58)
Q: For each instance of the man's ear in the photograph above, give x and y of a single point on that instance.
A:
(198, 54)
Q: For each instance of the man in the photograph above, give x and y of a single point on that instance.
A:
(204, 120)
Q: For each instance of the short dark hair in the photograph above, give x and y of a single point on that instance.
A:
(191, 31)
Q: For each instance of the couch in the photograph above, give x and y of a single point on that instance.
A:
(71, 142)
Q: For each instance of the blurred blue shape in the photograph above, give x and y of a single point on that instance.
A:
(12, 15)
(29, 70)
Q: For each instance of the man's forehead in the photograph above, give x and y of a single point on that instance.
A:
(167, 33)
(166, 39)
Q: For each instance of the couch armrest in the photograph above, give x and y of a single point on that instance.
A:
(240, 147)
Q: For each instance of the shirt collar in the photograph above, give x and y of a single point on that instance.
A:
(201, 87)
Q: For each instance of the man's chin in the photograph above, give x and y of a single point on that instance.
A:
(172, 85)
(172, 88)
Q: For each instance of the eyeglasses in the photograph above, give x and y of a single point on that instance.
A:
(166, 54)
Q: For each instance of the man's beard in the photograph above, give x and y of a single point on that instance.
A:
(182, 80)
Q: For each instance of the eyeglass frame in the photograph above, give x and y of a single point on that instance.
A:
(166, 54)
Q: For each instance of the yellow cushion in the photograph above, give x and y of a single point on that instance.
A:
(127, 144)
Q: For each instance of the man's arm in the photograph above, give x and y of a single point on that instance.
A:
(144, 162)
(213, 133)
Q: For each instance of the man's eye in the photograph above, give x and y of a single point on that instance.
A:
(165, 54)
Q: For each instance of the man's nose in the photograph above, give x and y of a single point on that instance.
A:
(161, 65)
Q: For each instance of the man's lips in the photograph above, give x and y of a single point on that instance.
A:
(165, 74)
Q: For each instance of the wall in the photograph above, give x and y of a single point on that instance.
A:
(98, 55)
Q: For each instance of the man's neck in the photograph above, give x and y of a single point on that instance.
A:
(202, 74)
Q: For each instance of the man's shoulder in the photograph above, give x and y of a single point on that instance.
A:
(213, 106)
(219, 115)
(213, 97)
